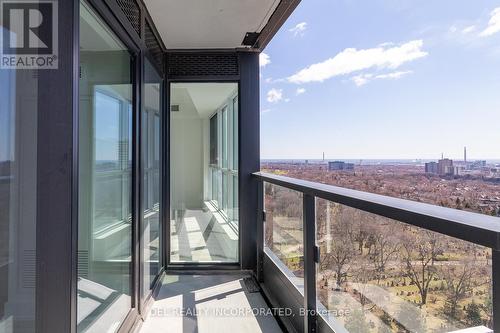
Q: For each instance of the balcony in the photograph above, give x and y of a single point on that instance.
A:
(341, 260)
(129, 191)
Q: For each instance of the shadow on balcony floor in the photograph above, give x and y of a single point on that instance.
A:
(208, 303)
(203, 235)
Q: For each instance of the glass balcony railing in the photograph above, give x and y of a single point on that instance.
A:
(284, 229)
(362, 262)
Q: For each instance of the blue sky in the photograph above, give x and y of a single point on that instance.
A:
(383, 79)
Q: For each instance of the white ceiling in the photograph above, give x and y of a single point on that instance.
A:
(206, 97)
(198, 24)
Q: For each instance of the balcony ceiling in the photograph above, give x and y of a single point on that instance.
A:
(208, 24)
(206, 97)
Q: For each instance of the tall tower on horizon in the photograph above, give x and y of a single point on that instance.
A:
(465, 155)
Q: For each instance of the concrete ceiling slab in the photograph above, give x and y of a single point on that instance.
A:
(208, 24)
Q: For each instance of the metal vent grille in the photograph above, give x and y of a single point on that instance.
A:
(29, 269)
(153, 45)
(203, 64)
(83, 264)
(131, 10)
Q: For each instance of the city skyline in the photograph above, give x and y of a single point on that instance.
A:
(383, 80)
(442, 156)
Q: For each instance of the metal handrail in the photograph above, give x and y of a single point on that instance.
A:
(472, 227)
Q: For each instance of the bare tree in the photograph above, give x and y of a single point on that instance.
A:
(460, 280)
(420, 248)
(341, 248)
(360, 226)
(386, 245)
(361, 274)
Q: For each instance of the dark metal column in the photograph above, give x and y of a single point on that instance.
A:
(260, 231)
(249, 156)
(57, 172)
(310, 257)
(495, 297)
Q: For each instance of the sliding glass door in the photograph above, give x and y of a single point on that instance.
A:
(105, 177)
(204, 173)
(116, 219)
(151, 187)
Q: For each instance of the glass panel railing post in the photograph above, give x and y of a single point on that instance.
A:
(495, 277)
(260, 230)
(309, 230)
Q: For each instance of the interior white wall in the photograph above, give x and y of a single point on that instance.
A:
(190, 140)
(186, 153)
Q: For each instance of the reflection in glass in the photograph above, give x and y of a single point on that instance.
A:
(380, 275)
(204, 222)
(150, 140)
(283, 234)
(105, 173)
(18, 188)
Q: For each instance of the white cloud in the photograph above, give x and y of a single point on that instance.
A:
(352, 60)
(269, 80)
(493, 24)
(300, 91)
(453, 28)
(393, 75)
(274, 95)
(264, 59)
(362, 79)
(468, 29)
(299, 29)
(265, 110)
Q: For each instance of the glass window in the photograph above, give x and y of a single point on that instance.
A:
(213, 140)
(150, 140)
(235, 133)
(18, 184)
(105, 173)
(110, 205)
(224, 137)
(225, 194)
(202, 223)
(235, 206)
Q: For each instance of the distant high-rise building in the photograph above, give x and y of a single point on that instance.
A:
(340, 165)
(431, 167)
(444, 166)
(477, 165)
(465, 155)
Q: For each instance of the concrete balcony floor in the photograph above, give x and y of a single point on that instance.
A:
(203, 236)
(208, 303)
